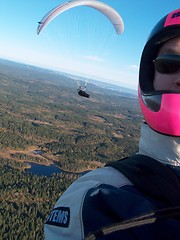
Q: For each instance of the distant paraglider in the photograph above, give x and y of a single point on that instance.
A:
(105, 9)
(82, 93)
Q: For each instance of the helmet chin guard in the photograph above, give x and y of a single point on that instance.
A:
(161, 111)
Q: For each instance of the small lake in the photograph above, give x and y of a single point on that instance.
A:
(43, 170)
(39, 169)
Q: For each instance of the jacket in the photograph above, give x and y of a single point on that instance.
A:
(104, 197)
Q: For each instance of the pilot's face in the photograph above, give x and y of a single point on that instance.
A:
(168, 81)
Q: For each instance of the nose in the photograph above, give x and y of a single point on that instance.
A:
(177, 81)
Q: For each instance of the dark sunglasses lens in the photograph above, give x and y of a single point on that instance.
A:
(166, 66)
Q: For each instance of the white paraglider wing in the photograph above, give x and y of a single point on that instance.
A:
(108, 11)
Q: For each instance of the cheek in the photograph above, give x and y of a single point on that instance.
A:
(157, 82)
(161, 82)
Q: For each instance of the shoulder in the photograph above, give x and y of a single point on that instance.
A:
(80, 189)
(67, 215)
(105, 175)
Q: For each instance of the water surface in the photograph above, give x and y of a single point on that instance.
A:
(43, 170)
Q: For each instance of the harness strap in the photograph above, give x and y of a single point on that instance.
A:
(150, 177)
(149, 218)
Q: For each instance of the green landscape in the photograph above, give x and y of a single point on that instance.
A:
(44, 121)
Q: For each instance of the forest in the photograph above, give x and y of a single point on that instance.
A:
(40, 110)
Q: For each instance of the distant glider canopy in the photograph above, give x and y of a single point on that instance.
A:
(108, 11)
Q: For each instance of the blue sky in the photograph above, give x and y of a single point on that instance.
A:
(81, 41)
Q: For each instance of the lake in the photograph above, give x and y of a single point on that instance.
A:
(42, 169)
(39, 169)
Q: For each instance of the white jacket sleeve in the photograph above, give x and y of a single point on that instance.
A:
(66, 221)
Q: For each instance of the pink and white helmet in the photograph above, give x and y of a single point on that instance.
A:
(161, 109)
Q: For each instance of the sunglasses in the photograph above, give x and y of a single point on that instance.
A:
(167, 63)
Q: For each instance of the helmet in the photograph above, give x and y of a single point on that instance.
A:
(161, 109)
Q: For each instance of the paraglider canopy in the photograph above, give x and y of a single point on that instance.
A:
(111, 14)
(105, 9)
